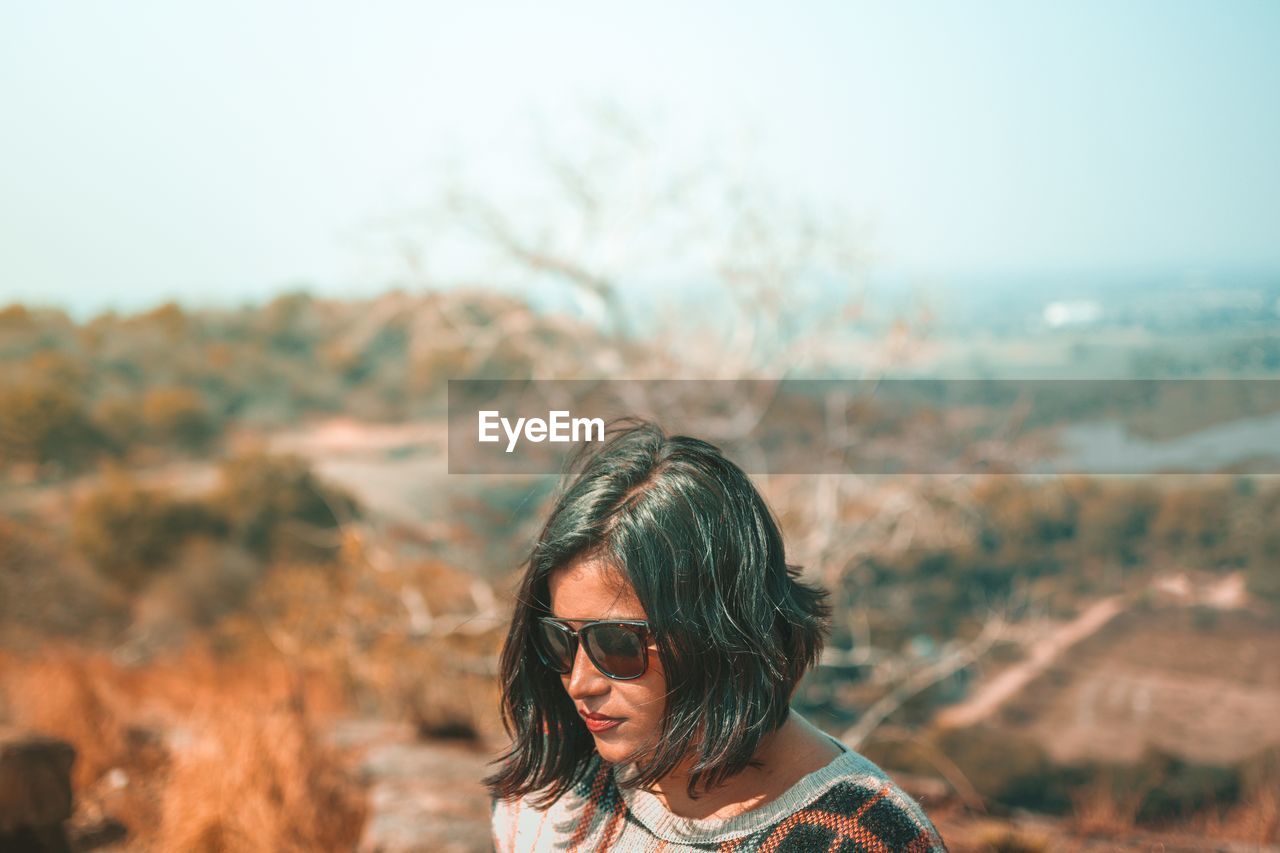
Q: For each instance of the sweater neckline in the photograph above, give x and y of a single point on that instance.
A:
(650, 811)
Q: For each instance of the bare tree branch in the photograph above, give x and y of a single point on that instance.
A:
(922, 679)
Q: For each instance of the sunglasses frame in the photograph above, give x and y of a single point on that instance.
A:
(645, 633)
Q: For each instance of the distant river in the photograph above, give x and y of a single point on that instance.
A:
(1251, 445)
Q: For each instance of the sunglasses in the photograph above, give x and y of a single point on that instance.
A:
(618, 648)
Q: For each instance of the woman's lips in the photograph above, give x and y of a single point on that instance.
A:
(599, 723)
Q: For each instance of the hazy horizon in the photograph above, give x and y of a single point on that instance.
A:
(217, 156)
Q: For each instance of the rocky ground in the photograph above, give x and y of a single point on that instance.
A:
(424, 797)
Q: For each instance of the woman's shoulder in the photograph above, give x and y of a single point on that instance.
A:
(858, 799)
(524, 823)
(849, 799)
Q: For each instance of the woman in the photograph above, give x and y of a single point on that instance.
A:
(647, 676)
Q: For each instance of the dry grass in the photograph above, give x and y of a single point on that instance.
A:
(193, 753)
(1100, 813)
(1255, 820)
(1002, 838)
(257, 781)
(353, 624)
(1097, 811)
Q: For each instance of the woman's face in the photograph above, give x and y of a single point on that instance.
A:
(586, 590)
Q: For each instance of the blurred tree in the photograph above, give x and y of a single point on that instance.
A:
(130, 532)
(278, 510)
(44, 424)
(56, 367)
(24, 331)
(1114, 516)
(119, 421)
(1192, 517)
(1263, 573)
(15, 318)
(284, 320)
(178, 416)
(1005, 767)
(759, 282)
(168, 318)
(1022, 516)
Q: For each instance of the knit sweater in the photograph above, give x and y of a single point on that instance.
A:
(849, 806)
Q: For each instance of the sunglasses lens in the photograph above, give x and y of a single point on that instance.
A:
(617, 650)
(555, 646)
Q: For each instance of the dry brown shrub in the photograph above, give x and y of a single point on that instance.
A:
(1254, 820)
(1097, 810)
(1196, 517)
(45, 592)
(258, 781)
(1003, 838)
(359, 626)
(60, 693)
(194, 752)
(1257, 819)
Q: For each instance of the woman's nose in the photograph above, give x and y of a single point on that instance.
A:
(584, 679)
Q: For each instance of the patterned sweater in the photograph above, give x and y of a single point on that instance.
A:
(849, 806)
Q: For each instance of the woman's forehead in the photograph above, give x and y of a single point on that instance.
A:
(591, 588)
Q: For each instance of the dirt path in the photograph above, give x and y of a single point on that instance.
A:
(424, 797)
(1040, 656)
(395, 470)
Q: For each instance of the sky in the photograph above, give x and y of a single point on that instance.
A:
(221, 152)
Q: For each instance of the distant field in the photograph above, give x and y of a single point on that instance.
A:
(1197, 683)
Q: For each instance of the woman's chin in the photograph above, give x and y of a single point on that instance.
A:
(613, 751)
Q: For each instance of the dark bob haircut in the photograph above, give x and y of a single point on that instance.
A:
(734, 625)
